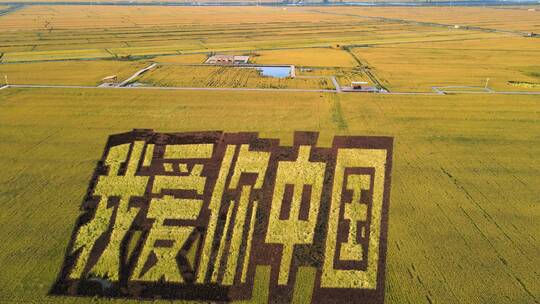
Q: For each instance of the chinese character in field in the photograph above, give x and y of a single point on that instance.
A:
(122, 184)
(222, 217)
(164, 241)
(357, 205)
(297, 183)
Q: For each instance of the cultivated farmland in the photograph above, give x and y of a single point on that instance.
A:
(65, 32)
(309, 57)
(193, 58)
(401, 53)
(443, 174)
(68, 72)
(225, 77)
(487, 18)
(464, 199)
(419, 66)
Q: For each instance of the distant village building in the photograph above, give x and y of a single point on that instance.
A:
(227, 59)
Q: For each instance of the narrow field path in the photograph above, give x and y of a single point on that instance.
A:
(336, 84)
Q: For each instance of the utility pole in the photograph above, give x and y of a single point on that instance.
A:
(5, 78)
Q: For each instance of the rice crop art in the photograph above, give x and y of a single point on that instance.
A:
(201, 215)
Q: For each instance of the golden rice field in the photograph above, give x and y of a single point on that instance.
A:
(68, 72)
(68, 32)
(404, 55)
(182, 59)
(464, 206)
(308, 57)
(418, 67)
(344, 76)
(314, 57)
(463, 203)
(485, 17)
(225, 77)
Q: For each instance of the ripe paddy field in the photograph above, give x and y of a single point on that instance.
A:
(464, 201)
(405, 49)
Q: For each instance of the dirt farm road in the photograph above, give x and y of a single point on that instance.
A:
(438, 92)
(137, 74)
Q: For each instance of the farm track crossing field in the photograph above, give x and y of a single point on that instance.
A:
(456, 232)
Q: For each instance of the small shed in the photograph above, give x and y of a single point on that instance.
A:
(358, 85)
(241, 59)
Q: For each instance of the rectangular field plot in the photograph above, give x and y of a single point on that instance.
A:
(56, 55)
(344, 76)
(452, 218)
(66, 32)
(311, 57)
(189, 58)
(69, 17)
(419, 67)
(68, 72)
(485, 17)
(225, 77)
